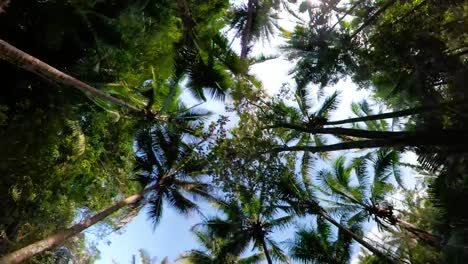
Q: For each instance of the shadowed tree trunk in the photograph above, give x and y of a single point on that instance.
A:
(396, 114)
(267, 253)
(247, 31)
(383, 213)
(437, 138)
(61, 236)
(29, 63)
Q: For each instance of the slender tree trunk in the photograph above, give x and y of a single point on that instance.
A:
(353, 235)
(29, 63)
(422, 139)
(373, 18)
(427, 237)
(61, 236)
(361, 133)
(396, 114)
(247, 30)
(265, 250)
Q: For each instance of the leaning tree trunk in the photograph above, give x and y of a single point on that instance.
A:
(61, 236)
(396, 114)
(437, 138)
(29, 63)
(266, 252)
(353, 235)
(386, 214)
(370, 134)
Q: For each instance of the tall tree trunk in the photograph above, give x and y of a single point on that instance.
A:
(246, 37)
(29, 63)
(61, 236)
(430, 239)
(371, 134)
(353, 235)
(396, 114)
(266, 252)
(423, 139)
(387, 214)
(373, 18)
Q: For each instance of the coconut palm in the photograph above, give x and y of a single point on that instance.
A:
(213, 250)
(250, 218)
(376, 132)
(316, 245)
(368, 197)
(301, 198)
(167, 167)
(254, 21)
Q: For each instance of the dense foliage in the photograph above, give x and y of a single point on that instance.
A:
(287, 166)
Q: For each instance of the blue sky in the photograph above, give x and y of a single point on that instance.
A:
(172, 236)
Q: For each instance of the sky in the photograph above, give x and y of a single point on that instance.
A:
(172, 236)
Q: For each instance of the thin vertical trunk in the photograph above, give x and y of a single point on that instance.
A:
(61, 236)
(246, 37)
(265, 250)
(353, 235)
(29, 63)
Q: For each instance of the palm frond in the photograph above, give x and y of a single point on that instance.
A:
(328, 105)
(155, 208)
(180, 202)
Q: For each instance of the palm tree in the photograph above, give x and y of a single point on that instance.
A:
(368, 197)
(249, 218)
(167, 167)
(376, 133)
(317, 245)
(254, 21)
(212, 252)
(301, 199)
